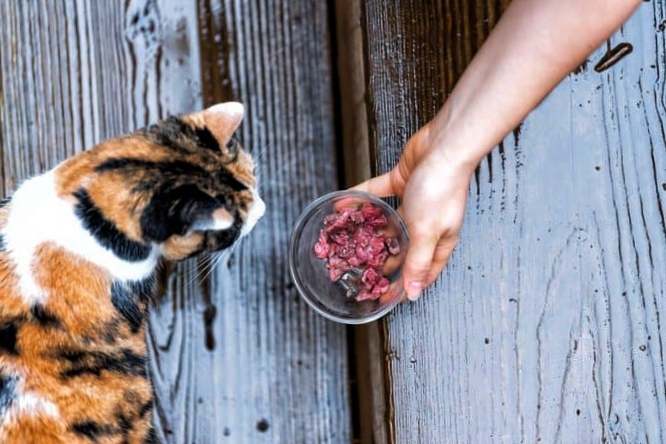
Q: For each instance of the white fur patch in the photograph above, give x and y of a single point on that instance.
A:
(221, 220)
(26, 405)
(38, 216)
(256, 212)
(32, 405)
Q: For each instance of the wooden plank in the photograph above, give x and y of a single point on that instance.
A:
(546, 325)
(368, 393)
(277, 58)
(277, 371)
(351, 82)
(77, 72)
(237, 357)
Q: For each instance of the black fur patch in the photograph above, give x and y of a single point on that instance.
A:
(227, 178)
(8, 333)
(170, 134)
(145, 408)
(205, 139)
(172, 168)
(44, 317)
(168, 172)
(220, 240)
(124, 302)
(173, 211)
(7, 392)
(151, 437)
(92, 429)
(110, 331)
(81, 362)
(131, 299)
(144, 289)
(175, 134)
(125, 426)
(106, 232)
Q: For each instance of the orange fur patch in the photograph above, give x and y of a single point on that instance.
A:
(78, 322)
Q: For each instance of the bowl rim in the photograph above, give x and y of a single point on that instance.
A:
(298, 226)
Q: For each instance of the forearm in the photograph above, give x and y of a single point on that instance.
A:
(533, 47)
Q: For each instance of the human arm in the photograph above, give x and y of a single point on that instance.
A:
(535, 44)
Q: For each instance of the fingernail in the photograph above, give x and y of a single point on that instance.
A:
(413, 291)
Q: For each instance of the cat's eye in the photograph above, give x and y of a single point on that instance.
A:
(232, 146)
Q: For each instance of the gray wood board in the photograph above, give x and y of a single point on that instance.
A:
(546, 325)
(367, 368)
(275, 359)
(237, 357)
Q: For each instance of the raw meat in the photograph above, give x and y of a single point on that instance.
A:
(355, 249)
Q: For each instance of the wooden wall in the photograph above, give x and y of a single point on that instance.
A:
(547, 325)
(237, 357)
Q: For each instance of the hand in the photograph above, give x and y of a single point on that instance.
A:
(507, 78)
(433, 188)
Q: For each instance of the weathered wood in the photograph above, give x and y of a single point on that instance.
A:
(546, 325)
(237, 357)
(351, 83)
(367, 372)
(279, 371)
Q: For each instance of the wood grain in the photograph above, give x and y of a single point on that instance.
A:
(236, 356)
(368, 393)
(547, 324)
(277, 372)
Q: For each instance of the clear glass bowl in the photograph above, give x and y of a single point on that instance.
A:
(311, 277)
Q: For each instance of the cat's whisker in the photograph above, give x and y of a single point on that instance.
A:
(259, 157)
(218, 257)
(205, 273)
(201, 275)
(204, 266)
(214, 265)
(194, 275)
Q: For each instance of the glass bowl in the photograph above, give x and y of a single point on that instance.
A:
(311, 276)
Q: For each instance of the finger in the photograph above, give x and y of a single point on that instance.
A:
(380, 186)
(391, 265)
(440, 259)
(417, 264)
(390, 294)
(402, 285)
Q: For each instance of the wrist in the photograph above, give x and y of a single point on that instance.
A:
(453, 143)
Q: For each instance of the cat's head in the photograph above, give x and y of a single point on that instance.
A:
(183, 185)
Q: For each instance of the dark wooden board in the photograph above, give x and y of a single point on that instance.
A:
(279, 371)
(547, 324)
(237, 357)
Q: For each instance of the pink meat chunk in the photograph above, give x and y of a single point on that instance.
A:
(352, 240)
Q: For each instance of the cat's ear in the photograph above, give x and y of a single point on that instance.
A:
(223, 119)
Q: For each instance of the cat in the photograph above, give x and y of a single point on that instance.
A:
(79, 248)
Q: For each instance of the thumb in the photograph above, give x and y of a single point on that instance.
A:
(417, 264)
(380, 186)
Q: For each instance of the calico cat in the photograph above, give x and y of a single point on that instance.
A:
(79, 246)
